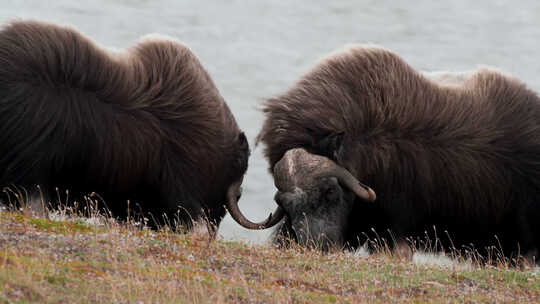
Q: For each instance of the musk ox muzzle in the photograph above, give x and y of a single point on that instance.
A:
(317, 196)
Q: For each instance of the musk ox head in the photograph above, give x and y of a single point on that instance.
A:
(317, 196)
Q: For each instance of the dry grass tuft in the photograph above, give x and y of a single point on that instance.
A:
(74, 260)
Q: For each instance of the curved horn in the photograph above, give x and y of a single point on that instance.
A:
(232, 206)
(352, 183)
(298, 163)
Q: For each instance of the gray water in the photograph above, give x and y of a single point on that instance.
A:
(255, 49)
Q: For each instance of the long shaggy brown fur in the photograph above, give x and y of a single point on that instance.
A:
(459, 159)
(147, 125)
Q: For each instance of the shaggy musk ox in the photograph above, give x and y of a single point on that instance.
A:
(457, 161)
(146, 126)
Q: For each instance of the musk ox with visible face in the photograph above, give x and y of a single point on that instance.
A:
(457, 161)
(146, 126)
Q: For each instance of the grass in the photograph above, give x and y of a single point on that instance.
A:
(72, 261)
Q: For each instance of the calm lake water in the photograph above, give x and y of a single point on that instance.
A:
(255, 49)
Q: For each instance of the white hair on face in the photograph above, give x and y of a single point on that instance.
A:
(290, 166)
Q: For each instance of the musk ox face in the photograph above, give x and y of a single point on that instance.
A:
(317, 197)
(318, 214)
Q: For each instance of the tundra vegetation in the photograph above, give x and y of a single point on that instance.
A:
(74, 259)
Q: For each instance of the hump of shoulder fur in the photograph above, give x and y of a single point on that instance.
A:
(481, 76)
(170, 68)
(35, 52)
(167, 57)
(163, 47)
(34, 29)
(31, 38)
(158, 70)
(357, 49)
(162, 39)
(362, 65)
(361, 54)
(355, 59)
(488, 75)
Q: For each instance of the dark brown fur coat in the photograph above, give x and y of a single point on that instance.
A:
(463, 158)
(147, 125)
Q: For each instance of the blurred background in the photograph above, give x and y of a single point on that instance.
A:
(255, 49)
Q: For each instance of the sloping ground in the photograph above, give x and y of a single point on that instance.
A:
(71, 261)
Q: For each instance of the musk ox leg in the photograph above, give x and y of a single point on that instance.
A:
(530, 258)
(180, 220)
(528, 230)
(393, 231)
(214, 217)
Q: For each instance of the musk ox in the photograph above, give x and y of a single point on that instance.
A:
(458, 159)
(146, 126)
